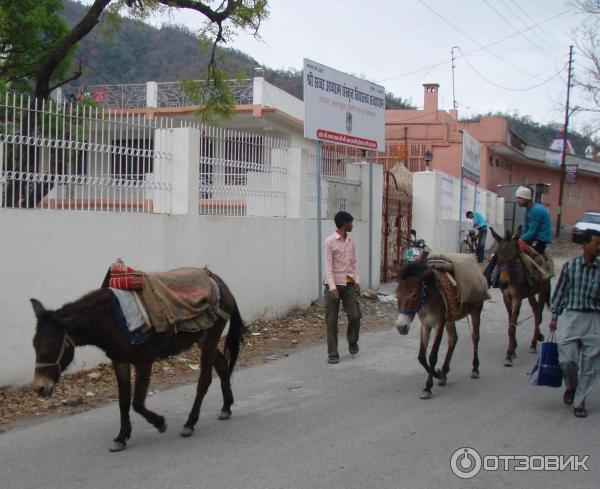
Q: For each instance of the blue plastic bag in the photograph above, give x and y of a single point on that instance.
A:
(546, 371)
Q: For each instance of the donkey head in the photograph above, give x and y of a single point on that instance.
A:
(507, 255)
(410, 292)
(54, 349)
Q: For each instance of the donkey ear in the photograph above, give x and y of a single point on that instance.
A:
(38, 309)
(495, 235)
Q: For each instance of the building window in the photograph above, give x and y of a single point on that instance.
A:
(417, 149)
(574, 194)
(129, 166)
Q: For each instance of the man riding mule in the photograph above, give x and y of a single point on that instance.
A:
(440, 290)
(536, 235)
(99, 319)
(520, 277)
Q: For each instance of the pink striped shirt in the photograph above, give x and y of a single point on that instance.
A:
(340, 261)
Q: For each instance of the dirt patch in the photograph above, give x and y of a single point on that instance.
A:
(268, 341)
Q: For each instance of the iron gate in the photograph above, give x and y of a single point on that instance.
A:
(395, 228)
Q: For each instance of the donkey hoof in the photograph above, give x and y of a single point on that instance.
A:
(533, 349)
(187, 431)
(425, 395)
(162, 427)
(508, 361)
(474, 375)
(117, 446)
(442, 380)
(224, 415)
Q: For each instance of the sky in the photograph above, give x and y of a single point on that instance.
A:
(511, 54)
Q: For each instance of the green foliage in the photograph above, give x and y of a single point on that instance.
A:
(28, 30)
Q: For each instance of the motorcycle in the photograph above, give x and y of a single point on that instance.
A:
(416, 251)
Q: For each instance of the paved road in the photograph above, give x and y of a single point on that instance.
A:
(301, 423)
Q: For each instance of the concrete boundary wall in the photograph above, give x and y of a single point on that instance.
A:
(56, 257)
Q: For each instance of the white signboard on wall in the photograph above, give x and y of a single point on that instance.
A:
(343, 109)
(470, 157)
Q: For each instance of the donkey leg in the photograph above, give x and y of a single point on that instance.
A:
(512, 332)
(142, 381)
(123, 374)
(433, 356)
(209, 346)
(476, 321)
(452, 339)
(425, 334)
(223, 372)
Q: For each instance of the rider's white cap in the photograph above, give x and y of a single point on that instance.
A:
(524, 193)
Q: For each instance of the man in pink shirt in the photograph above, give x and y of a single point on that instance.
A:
(341, 284)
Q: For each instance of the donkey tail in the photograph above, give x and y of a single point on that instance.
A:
(235, 336)
(549, 295)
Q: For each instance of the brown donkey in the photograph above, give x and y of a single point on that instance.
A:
(417, 294)
(90, 321)
(515, 288)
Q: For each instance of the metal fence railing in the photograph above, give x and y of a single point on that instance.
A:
(241, 173)
(80, 157)
(167, 94)
(175, 94)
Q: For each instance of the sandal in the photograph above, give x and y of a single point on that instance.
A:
(568, 396)
(580, 412)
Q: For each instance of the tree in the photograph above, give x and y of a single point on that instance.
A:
(588, 44)
(51, 44)
(28, 30)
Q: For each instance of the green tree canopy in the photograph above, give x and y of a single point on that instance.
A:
(37, 45)
(29, 29)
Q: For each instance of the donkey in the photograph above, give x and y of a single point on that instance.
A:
(90, 321)
(515, 288)
(417, 293)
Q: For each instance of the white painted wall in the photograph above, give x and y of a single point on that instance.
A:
(436, 208)
(270, 96)
(56, 257)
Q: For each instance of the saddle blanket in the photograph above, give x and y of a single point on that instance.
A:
(472, 284)
(132, 308)
(185, 299)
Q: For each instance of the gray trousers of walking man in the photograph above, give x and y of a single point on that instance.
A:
(578, 335)
(349, 300)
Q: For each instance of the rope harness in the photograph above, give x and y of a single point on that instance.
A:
(66, 343)
(414, 310)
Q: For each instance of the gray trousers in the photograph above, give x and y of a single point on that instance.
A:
(578, 337)
(350, 302)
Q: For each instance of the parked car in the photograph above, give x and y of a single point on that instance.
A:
(590, 220)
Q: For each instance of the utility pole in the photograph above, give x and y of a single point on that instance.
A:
(454, 106)
(564, 148)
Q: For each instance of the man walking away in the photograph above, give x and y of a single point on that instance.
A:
(480, 224)
(341, 284)
(576, 317)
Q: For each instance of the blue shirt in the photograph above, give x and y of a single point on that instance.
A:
(537, 225)
(478, 221)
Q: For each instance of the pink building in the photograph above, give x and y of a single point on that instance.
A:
(505, 157)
